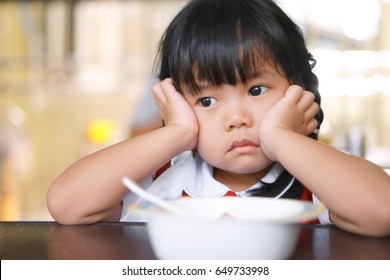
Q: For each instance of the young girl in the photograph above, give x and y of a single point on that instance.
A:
(242, 112)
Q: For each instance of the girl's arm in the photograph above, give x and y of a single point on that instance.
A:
(91, 190)
(356, 191)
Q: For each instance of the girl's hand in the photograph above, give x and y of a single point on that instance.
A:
(294, 112)
(175, 110)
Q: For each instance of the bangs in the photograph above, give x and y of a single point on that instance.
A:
(224, 58)
(217, 50)
(225, 62)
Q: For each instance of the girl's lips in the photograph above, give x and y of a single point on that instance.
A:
(243, 145)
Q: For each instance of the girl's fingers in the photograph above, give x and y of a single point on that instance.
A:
(306, 101)
(294, 93)
(167, 92)
(311, 111)
(302, 98)
(164, 92)
(158, 94)
(307, 109)
(311, 127)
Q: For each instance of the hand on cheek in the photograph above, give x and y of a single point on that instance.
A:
(294, 112)
(174, 108)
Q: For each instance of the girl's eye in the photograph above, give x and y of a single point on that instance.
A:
(207, 101)
(257, 90)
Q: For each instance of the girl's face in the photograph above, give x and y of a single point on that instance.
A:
(229, 118)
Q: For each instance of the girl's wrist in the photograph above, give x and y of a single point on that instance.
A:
(184, 139)
(271, 140)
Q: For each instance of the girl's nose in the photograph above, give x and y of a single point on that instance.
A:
(237, 117)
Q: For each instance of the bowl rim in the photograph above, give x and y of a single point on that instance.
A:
(151, 212)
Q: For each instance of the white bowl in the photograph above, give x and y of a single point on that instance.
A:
(228, 228)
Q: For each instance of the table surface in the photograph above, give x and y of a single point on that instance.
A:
(118, 241)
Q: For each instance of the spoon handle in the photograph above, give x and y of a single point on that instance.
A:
(154, 199)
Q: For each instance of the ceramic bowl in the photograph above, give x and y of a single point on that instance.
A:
(227, 228)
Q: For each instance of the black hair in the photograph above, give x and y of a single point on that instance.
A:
(226, 41)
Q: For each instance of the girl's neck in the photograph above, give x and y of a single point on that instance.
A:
(239, 182)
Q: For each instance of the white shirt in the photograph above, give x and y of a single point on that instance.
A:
(194, 176)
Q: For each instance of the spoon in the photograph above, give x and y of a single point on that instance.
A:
(154, 199)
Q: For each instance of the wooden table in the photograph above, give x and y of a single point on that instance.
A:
(119, 241)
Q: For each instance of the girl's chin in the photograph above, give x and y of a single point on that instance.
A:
(243, 164)
(247, 169)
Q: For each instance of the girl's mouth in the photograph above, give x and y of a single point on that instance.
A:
(243, 146)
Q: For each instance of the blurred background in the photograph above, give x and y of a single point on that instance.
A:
(75, 76)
